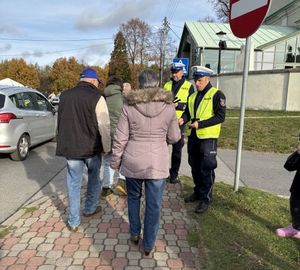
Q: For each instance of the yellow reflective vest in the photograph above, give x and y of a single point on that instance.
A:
(182, 94)
(204, 111)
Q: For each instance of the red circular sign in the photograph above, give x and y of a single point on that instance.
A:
(246, 16)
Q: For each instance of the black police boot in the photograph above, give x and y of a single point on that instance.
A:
(191, 198)
(201, 207)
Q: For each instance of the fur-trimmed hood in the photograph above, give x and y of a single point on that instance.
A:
(149, 102)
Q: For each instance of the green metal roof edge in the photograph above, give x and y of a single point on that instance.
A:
(278, 40)
(191, 24)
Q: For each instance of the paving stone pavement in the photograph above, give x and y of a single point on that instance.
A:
(40, 239)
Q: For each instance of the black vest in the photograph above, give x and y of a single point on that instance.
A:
(78, 135)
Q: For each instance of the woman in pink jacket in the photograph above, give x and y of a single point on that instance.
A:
(146, 126)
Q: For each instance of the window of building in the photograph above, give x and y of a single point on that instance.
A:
(258, 57)
(290, 50)
(279, 56)
(228, 59)
(210, 57)
(268, 58)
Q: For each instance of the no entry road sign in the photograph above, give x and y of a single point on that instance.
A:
(247, 15)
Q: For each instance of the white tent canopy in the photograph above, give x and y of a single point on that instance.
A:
(8, 81)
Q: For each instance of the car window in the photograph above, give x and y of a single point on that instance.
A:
(23, 101)
(17, 100)
(28, 100)
(2, 99)
(43, 104)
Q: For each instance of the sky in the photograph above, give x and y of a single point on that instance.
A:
(42, 31)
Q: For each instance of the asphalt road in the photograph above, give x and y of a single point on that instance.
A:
(258, 170)
(19, 181)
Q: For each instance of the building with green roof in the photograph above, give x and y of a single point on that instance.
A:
(284, 13)
(272, 47)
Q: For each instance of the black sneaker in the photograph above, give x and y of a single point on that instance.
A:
(191, 198)
(106, 191)
(72, 229)
(201, 208)
(173, 180)
(135, 239)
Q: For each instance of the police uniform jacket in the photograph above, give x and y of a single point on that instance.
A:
(219, 109)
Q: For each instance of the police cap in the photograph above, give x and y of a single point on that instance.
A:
(176, 66)
(199, 71)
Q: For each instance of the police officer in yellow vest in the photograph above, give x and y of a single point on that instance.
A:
(204, 114)
(181, 89)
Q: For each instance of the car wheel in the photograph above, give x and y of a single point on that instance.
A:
(22, 149)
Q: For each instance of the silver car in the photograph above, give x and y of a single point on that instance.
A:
(26, 119)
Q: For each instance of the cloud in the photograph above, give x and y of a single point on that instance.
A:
(97, 54)
(124, 11)
(8, 29)
(5, 47)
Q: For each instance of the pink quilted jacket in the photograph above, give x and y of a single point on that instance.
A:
(146, 126)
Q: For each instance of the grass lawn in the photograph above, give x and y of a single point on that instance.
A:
(238, 231)
(274, 132)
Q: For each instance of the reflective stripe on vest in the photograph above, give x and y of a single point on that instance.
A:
(204, 112)
(182, 94)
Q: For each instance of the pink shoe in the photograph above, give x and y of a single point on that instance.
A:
(288, 231)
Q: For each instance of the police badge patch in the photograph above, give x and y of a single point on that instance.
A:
(222, 102)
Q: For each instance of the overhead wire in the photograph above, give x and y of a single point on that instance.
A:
(174, 33)
(54, 40)
(174, 7)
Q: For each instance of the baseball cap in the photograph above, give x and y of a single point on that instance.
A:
(200, 71)
(90, 73)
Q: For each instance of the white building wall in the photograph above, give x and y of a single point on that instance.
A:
(293, 93)
(265, 90)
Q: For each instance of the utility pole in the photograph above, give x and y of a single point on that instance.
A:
(164, 32)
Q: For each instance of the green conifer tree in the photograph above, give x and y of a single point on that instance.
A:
(118, 65)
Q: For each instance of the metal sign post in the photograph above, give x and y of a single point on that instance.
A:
(245, 17)
(242, 115)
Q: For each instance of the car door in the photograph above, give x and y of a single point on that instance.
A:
(47, 117)
(27, 110)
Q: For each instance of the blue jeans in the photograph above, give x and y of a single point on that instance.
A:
(108, 172)
(154, 189)
(74, 179)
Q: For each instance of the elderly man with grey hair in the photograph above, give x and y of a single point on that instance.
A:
(147, 125)
(83, 134)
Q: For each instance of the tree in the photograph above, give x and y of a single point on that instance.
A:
(64, 74)
(162, 40)
(103, 75)
(222, 9)
(208, 19)
(118, 64)
(137, 34)
(18, 70)
(45, 81)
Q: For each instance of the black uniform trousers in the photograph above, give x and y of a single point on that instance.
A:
(176, 155)
(202, 157)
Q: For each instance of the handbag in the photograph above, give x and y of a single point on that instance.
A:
(293, 162)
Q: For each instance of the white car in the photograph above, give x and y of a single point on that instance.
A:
(26, 119)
